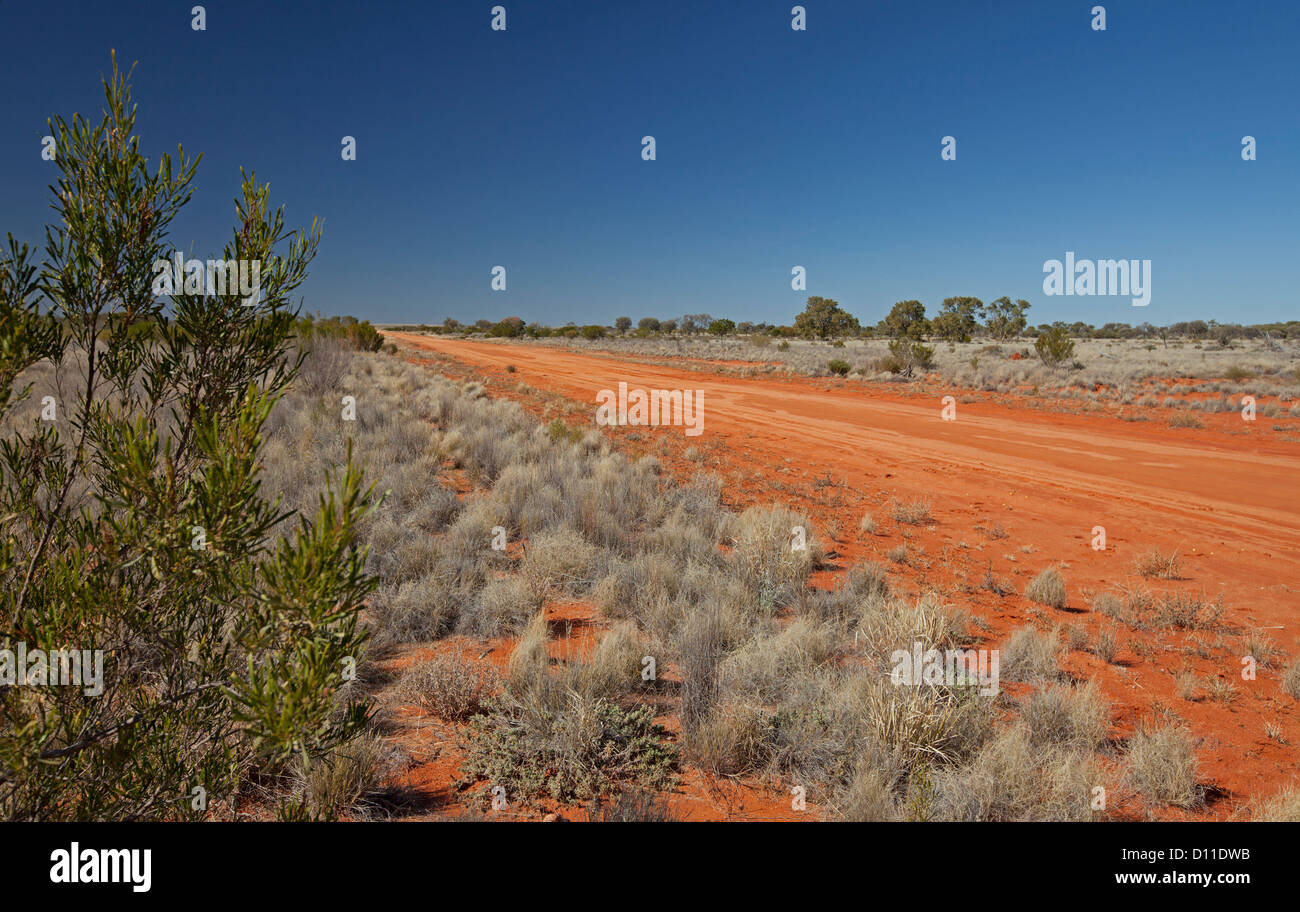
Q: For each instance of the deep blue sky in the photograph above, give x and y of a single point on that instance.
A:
(775, 148)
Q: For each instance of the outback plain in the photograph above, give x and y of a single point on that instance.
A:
(265, 560)
(1121, 656)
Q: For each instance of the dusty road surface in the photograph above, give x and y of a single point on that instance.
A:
(1227, 500)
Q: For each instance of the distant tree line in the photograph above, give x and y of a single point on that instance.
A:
(960, 319)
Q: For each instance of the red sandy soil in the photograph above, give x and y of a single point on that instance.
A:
(1225, 497)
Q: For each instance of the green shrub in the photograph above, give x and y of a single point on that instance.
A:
(577, 750)
(1054, 346)
(838, 367)
(906, 356)
(356, 334)
(134, 523)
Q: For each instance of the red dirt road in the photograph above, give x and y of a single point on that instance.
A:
(1227, 501)
(1074, 472)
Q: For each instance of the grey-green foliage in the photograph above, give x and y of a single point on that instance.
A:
(134, 522)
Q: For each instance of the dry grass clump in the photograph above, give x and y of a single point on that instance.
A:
(419, 610)
(1162, 765)
(631, 804)
(1187, 612)
(1261, 648)
(614, 666)
(528, 669)
(882, 627)
(1284, 807)
(914, 513)
(869, 797)
(349, 781)
(1291, 680)
(731, 739)
(502, 606)
(1031, 656)
(1156, 565)
(865, 585)
(1221, 689)
(1014, 779)
(1143, 610)
(1110, 606)
(630, 587)
(701, 650)
(774, 550)
(1186, 685)
(921, 724)
(768, 664)
(1107, 646)
(1071, 716)
(1185, 420)
(1048, 588)
(560, 562)
(448, 686)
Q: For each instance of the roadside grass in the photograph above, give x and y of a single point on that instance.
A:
(773, 678)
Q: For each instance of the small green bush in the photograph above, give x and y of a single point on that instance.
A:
(1054, 346)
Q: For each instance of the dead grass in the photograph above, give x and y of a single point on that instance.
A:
(1291, 680)
(1284, 807)
(913, 513)
(1156, 565)
(1185, 420)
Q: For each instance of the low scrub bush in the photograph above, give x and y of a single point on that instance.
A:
(1054, 347)
(448, 687)
(1048, 588)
